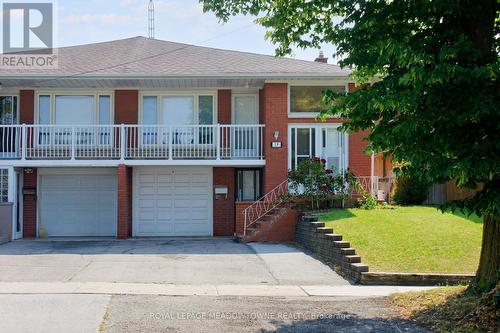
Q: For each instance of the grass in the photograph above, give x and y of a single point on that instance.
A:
(449, 309)
(410, 239)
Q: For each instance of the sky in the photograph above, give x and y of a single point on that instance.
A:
(89, 21)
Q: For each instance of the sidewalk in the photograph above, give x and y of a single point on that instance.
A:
(108, 288)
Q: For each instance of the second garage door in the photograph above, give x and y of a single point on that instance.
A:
(173, 201)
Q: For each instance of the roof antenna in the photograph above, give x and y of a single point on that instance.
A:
(151, 19)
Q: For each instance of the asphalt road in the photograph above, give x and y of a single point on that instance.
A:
(140, 313)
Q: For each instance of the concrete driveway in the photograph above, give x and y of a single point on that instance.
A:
(179, 261)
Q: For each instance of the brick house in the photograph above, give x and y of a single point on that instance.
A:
(142, 137)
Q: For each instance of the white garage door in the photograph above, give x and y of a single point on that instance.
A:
(172, 201)
(78, 203)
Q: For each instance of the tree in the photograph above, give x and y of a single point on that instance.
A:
(429, 89)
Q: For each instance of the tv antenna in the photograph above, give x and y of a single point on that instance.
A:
(151, 19)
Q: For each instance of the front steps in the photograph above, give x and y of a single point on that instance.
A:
(278, 225)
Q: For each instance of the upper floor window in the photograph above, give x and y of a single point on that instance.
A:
(307, 99)
(74, 109)
(178, 110)
(8, 110)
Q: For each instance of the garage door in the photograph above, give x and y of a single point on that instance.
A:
(78, 203)
(172, 201)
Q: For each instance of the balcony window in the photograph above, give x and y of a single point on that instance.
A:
(307, 99)
(44, 110)
(8, 110)
(178, 110)
(206, 113)
(74, 110)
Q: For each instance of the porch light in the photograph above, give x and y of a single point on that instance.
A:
(276, 135)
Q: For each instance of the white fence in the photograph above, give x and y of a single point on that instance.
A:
(42, 142)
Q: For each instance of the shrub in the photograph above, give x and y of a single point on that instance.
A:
(312, 182)
(367, 201)
(410, 190)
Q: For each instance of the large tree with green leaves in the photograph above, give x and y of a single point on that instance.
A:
(430, 92)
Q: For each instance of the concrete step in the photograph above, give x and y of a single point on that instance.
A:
(359, 267)
(325, 230)
(353, 258)
(348, 251)
(335, 237)
(342, 244)
(317, 224)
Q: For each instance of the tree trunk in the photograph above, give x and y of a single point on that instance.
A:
(489, 263)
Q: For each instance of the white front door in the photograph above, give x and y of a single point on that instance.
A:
(171, 201)
(78, 203)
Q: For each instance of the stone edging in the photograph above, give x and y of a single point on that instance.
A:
(414, 279)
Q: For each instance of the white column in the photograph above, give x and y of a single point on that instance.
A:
(373, 175)
(11, 193)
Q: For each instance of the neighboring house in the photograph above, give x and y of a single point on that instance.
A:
(142, 137)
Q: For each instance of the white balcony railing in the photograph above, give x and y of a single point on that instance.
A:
(131, 142)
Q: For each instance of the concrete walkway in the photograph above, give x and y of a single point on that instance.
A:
(107, 288)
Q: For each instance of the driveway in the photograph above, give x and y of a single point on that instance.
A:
(209, 261)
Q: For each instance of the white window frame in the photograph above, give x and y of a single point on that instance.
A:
(159, 106)
(95, 94)
(318, 141)
(17, 104)
(309, 83)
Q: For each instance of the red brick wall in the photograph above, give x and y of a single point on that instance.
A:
(359, 161)
(126, 106)
(29, 204)
(124, 178)
(26, 107)
(224, 106)
(275, 114)
(223, 209)
(240, 218)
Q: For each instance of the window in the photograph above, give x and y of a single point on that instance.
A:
(149, 106)
(206, 114)
(105, 110)
(74, 110)
(4, 185)
(8, 110)
(178, 110)
(245, 109)
(248, 185)
(85, 109)
(307, 99)
(44, 110)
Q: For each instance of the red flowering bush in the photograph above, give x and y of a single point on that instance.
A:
(312, 180)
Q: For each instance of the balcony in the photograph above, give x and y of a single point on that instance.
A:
(52, 145)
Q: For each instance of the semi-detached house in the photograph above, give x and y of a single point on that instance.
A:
(142, 137)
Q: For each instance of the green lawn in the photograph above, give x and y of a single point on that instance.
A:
(410, 239)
